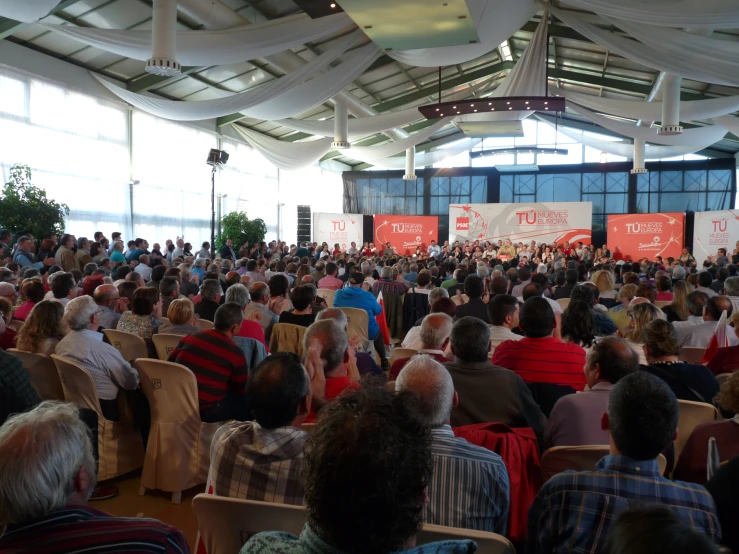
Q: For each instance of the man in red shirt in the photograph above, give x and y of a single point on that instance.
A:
(219, 366)
(540, 357)
(336, 358)
(435, 331)
(330, 281)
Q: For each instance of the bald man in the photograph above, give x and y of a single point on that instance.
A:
(700, 335)
(257, 309)
(110, 301)
(435, 331)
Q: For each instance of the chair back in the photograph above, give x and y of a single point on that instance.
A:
(205, 325)
(164, 320)
(328, 296)
(692, 414)
(287, 337)
(487, 543)
(16, 324)
(457, 300)
(691, 354)
(662, 303)
(171, 389)
(723, 377)
(129, 345)
(165, 343)
(404, 353)
(308, 427)
(78, 385)
(225, 524)
(358, 323)
(579, 458)
(43, 374)
(564, 302)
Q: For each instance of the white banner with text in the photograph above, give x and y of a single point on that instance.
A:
(338, 228)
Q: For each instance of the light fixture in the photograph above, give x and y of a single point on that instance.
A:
(333, 6)
(513, 103)
(517, 150)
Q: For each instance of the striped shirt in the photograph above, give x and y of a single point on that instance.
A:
(387, 285)
(218, 363)
(573, 511)
(254, 463)
(80, 529)
(469, 487)
(544, 360)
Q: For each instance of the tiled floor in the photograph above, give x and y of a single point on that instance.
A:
(154, 504)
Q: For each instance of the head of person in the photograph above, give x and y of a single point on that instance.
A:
(181, 312)
(62, 285)
(503, 311)
(238, 294)
(470, 339)
(278, 285)
(259, 292)
(82, 313)
(432, 385)
(211, 290)
(537, 318)
(524, 274)
(33, 291)
(135, 277)
(145, 301)
(67, 241)
(437, 293)
(731, 286)
(640, 315)
(302, 297)
(43, 322)
(578, 324)
(696, 302)
(334, 314)
(106, 295)
(660, 340)
(435, 331)
(366, 470)
(603, 280)
(645, 290)
(715, 306)
(499, 285)
(331, 269)
(610, 359)
(228, 319)
(626, 294)
(532, 290)
(444, 305)
(473, 286)
(278, 391)
(329, 339)
(424, 278)
(169, 287)
(584, 294)
(127, 289)
(705, 279)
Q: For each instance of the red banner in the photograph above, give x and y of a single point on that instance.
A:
(405, 232)
(647, 235)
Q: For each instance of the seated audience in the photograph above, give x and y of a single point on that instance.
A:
(257, 310)
(677, 310)
(43, 328)
(435, 331)
(726, 360)
(387, 283)
(181, 316)
(8, 335)
(32, 292)
(239, 294)
(144, 318)
(63, 287)
(48, 451)
(705, 280)
(367, 469)
(603, 324)
(366, 362)
(699, 335)
(219, 366)
(571, 278)
(16, 393)
(169, 288)
(263, 459)
(540, 357)
(663, 285)
(279, 288)
(575, 418)
(503, 311)
(574, 511)
(578, 325)
(442, 304)
(474, 376)
(724, 488)
(619, 313)
(331, 281)
(112, 306)
(469, 487)
(210, 299)
(641, 313)
(302, 313)
(475, 307)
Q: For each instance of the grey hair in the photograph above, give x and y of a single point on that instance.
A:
(482, 269)
(6, 275)
(41, 452)
(200, 262)
(497, 273)
(78, 312)
(437, 293)
(387, 272)
(238, 294)
(731, 285)
(214, 268)
(432, 384)
(678, 272)
(210, 289)
(333, 313)
(435, 329)
(366, 268)
(333, 342)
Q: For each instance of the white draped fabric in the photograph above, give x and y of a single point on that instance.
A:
(27, 11)
(395, 147)
(286, 155)
(682, 64)
(496, 21)
(701, 135)
(719, 14)
(730, 122)
(426, 159)
(690, 110)
(218, 47)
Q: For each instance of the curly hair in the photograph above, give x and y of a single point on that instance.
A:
(366, 468)
(43, 322)
(578, 324)
(728, 398)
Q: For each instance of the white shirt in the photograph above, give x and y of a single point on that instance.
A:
(556, 306)
(413, 339)
(700, 335)
(499, 334)
(710, 292)
(690, 322)
(144, 270)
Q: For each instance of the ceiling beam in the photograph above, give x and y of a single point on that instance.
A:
(10, 26)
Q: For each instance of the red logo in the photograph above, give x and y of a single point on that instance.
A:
(719, 225)
(463, 224)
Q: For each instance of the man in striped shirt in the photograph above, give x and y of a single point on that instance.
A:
(219, 366)
(469, 487)
(48, 451)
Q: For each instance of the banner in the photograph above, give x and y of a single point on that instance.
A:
(544, 222)
(338, 228)
(714, 230)
(406, 232)
(647, 235)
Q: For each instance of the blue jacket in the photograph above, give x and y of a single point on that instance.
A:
(355, 297)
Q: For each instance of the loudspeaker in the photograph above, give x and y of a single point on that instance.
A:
(304, 224)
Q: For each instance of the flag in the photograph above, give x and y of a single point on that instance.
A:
(382, 321)
(719, 339)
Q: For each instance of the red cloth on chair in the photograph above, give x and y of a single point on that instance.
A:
(520, 453)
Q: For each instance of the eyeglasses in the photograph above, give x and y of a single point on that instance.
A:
(98, 312)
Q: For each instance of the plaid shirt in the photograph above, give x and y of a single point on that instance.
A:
(250, 462)
(16, 393)
(386, 285)
(574, 510)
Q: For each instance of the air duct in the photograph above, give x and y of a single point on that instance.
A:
(410, 164)
(164, 39)
(671, 106)
(341, 126)
(639, 152)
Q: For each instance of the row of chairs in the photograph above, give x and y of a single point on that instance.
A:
(287, 337)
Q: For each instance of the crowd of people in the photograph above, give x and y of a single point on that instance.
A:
(534, 345)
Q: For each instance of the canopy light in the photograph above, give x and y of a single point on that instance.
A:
(484, 105)
(217, 157)
(518, 150)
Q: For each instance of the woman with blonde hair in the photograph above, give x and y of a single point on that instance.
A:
(677, 310)
(606, 285)
(182, 318)
(43, 329)
(641, 315)
(620, 312)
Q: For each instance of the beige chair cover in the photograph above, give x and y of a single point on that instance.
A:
(328, 296)
(358, 324)
(404, 353)
(165, 344)
(564, 302)
(120, 448)
(129, 345)
(692, 414)
(487, 543)
(205, 325)
(579, 458)
(692, 355)
(178, 452)
(287, 337)
(43, 374)
(308, 427)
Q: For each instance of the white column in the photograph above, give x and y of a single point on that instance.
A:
(341, 126)
(164, 39)
(639, 151)
(410, 164)
(671, 106)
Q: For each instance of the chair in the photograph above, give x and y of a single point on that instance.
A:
(129, 345)
(16, 324)
(564, 302)
(399, 353)
(287, 337)
(691, 354)
(721, 377)
(178, 452)
(692, 414)
(358, 325)
(328, 296)
(308, 427)
(120, 448)
(205, 325)
(459, 301)
(43, 374)
(578, 458)
(165, 343)
(662, 303)
(164, 319)
(487, 543)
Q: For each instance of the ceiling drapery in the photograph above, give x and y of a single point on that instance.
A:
(27, 11)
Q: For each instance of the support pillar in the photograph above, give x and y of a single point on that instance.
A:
(341, 126)
(410, 164)
(164, 39)
(639, 152)
(671, 106)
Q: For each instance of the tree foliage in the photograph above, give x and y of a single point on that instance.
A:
(239, 228)
(25, 208)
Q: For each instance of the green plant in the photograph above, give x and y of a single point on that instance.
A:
(25, 208)
(240, 229)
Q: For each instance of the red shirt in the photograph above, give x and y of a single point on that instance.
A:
(726, 360)
(334, 387)
(330, 282)
(400, 364)
(545, 360)
(252, 330)
(691, 466)
(8, 338)
(664, 296)
(21, 313)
